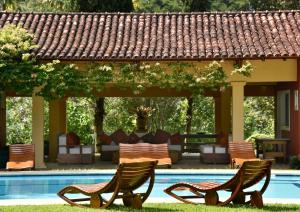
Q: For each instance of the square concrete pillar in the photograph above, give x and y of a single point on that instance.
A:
(57, 125)
(238, 110)
(38, 130)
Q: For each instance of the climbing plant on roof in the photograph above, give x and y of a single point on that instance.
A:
(20, 72)
(179, 76)
(17, 68)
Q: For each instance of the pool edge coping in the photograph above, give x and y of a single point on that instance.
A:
(157, 171)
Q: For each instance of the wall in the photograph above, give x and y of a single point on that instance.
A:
(294, 132)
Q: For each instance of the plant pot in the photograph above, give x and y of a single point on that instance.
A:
(141, 124)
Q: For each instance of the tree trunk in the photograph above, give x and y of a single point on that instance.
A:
(148, 123)
(189, 116)
(99, 116)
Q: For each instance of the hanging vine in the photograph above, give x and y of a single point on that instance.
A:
(138, 77)
(21, 72)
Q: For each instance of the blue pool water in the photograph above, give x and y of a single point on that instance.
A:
(46, 186)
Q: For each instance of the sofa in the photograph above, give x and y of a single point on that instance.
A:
(70, 151)
(110, 143)
(214, 154)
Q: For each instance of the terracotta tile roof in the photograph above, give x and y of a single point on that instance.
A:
(190, 36)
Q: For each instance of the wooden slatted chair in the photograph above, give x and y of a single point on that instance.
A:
(139, 152)
(21, 156)
(129, 177)
(241, 151)
(248, 175)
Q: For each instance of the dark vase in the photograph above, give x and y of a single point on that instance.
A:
(141, 124)
(3, 157)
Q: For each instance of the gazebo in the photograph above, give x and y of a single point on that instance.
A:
(269, 40)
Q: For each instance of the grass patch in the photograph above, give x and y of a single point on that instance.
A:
(171, 207)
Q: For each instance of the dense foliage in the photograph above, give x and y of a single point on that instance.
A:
(80, 118)
(21, 73)
(168, 114)
(139, 77)
(147, 5)
(73, 5)
(236, 5)
(213, 5)
(18, 120)
(102, 5)
(17, 69)
(259, 117)
(19, 110)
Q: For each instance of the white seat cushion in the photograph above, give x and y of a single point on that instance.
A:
(74, 150)
(207, 149)
(175, 147)
(62, 150)
(87, 149)
(220, 150)
(62, 140)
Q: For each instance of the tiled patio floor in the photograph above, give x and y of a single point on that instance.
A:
(187, 162)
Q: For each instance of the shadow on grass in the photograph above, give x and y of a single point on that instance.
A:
(187, 207)
(271, 207)
(281, 208)
(146, 208)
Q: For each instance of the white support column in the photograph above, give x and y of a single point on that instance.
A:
(38, 130)
(238, 110)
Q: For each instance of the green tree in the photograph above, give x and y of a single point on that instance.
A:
(18, 120)
(102, 5)
(172, 5)
(10, 5)
(203, 115)
(18, 69)
(159, 6)
(46, 5)
(265, 5)
(196, 5)
(118, 114)
(237, 5)
(80, 118)
(259, 116)
(78, 5)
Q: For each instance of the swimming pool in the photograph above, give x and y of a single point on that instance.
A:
(45, 186)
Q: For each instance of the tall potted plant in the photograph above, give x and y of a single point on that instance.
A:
(142, 113)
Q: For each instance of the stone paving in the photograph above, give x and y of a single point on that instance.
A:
(188, 162)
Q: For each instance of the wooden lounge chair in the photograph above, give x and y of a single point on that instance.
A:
(129, 153)
(21, 156)
(241, 151)
(128, 178)
(249, 174)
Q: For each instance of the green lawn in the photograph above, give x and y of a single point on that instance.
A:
(155, 207)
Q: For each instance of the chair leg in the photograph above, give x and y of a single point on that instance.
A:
(256, 199)
(239, 199)
(95, 201)
(211, 198)
(137, 202)
(128, 199)
(133, 200)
